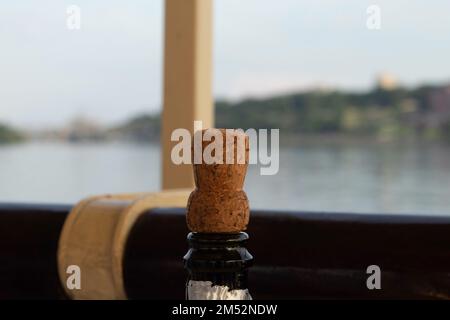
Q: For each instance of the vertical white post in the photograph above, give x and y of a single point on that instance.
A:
(187, 79)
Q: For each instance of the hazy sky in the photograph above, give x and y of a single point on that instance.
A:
(112, 67)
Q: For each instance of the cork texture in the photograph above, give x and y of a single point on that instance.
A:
(219, 204)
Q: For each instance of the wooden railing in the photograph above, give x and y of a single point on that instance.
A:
(297, 254)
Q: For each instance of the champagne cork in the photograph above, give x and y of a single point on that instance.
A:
(219, 204)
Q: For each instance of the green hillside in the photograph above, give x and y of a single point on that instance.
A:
(393, 113)
(376, 114)
(9, 135)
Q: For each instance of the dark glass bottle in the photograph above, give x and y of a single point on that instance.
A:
(217, 266)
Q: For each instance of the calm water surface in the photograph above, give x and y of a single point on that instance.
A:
(347, 178)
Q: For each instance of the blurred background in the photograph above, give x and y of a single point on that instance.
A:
(363, 109)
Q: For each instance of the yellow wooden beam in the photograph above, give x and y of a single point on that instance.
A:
(187, 79)
(94, 237)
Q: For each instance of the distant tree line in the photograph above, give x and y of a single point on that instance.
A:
(399, 113)
(378, 113)
(9, 135)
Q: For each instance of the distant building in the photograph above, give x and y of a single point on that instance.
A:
(386, 81)
(439, 100)
(82, 129)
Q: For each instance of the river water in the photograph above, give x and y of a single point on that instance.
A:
(371, 178)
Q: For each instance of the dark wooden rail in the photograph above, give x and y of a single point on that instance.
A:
(297, 255)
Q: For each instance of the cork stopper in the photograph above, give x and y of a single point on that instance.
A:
(218, 204)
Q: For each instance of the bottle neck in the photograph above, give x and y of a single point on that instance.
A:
(217, 262)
